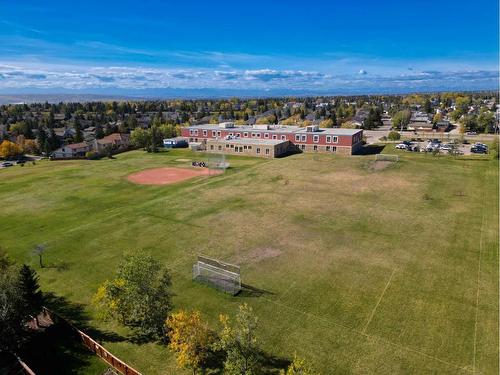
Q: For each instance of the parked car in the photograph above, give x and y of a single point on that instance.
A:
(471, 133)
(402, 146)
(446, 147)
(478, 150)
(6, 164)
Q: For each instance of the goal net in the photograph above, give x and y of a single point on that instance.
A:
(386, 157)
(216, 163)
(219, 275)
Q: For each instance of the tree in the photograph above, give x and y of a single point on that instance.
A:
(427, 106)
(401, 119)
(298, 367)
(486, 121)
(394, 136)
(9, 149)
(437, 117)
(39, 251)
(99, 133)
(30, 290)
(139, 296)
(42, 140)
(31, 146)
(327, 123)
(139, 138)
(12, 316)
(78, 132)
(189, 338)
(239, 342)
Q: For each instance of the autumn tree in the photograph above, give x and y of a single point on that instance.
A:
(189, 338)
(238, 339)
(139, 296)
(9, 149)
(298, 367)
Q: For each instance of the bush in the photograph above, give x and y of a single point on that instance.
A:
(394, 136)
(91, 155)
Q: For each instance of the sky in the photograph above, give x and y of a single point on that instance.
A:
(258, 47)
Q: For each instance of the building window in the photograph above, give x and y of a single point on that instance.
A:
(327, 148)
(297, 137)
(214, 133)
(253, 135)
(249, 147)
(315, 148)
(275, 136)
(258, 150)
(245, 134)
(211, 147)
(334, 149)
(316, 138)
(266, 135)
(304, 138)
(244, 147)
(258, 135)
(267, 151)
(196, 132)
(335, 139)
(227, 146)
(191, 132)
(303, 147)
(220, 147)
(283, 138)
(231, 134)
(218, 134)
(232, 146)
(204, 133)
(328, 139)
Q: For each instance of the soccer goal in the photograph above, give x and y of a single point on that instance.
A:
(216, 163)
(219, 275)
(386, 157)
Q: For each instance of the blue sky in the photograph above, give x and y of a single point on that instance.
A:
(263, 46)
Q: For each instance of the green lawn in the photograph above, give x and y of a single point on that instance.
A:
(363, 270)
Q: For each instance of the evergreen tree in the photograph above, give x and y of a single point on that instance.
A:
(99, 133)
(78, 132)
(30, 290)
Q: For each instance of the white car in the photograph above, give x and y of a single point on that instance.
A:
(446, 147)
(401, 146)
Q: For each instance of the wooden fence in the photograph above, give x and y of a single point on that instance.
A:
(95, 347)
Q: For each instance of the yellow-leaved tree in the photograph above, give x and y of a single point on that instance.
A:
(9, 149)
(189, 338)
(298, 367)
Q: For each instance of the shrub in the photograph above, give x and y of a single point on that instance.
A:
(394, 136)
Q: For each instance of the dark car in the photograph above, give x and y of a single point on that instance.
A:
(478, 150)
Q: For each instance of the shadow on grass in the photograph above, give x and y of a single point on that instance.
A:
(251, 291)
(371, 150)
(267, 364)
(58, 349)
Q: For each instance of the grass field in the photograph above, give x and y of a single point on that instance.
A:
(359, 269)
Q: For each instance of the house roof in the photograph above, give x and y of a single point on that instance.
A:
(114, 138)
(75, 146)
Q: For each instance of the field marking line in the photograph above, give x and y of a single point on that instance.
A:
(378, 302)
(366, 335)
(478, 287)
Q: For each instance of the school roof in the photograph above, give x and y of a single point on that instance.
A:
(248, 141)
(277, 129)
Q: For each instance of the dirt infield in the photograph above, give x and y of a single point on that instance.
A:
(165, 176)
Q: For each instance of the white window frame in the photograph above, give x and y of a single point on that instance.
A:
(214, 133)
(303, 138)
(316, 138)
(245, 134)
(328, 139)
(266, 135)
(335, 139)
(275, 136)
(283, 137)
(297, 137)
(205, 133)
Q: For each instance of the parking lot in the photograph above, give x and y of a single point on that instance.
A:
(435, 145)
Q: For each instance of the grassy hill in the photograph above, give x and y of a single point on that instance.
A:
(360, 268)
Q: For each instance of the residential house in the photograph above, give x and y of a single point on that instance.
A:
(71, 151)
(114, 142)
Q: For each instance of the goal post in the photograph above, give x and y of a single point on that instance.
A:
(387, 157)
(216, 163)
(217, 274)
